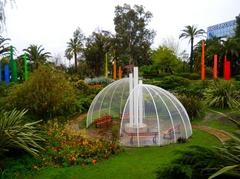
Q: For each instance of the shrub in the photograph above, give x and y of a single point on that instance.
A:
(15, 133)
(190, 76)
(192, 104)
(45, 94)
(237, 77)
(221, 94)
(181, 140)
(66, 149)
(98, 80)
(81, 85)
(195, 162)
(175, 171)
(149, 71)
(172, 82)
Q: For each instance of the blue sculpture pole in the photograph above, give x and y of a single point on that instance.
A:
(6, 74)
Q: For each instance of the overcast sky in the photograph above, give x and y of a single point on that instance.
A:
(51, 22)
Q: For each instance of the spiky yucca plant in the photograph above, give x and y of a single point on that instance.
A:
(16, 133)
(221, 94)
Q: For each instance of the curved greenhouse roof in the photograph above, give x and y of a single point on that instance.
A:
(160, 118)
(149, 114)
(109, 101)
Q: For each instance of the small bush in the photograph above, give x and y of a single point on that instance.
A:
(195, 162)
(190, 76)
(175, 171)
(81, 85)
(192, 104)
(98, 80)
(45, 94)
(222, 94)
(172, 82)
(237, 77)
(181, 140)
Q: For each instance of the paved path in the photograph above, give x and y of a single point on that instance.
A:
(223, 136)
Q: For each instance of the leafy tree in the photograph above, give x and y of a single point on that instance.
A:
(37, 55)
(98, 44)
(133, 38)
(75, 46)
(191, 32)
(165, 59)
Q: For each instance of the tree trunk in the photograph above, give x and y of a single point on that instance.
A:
(75, 59)
(191, 56)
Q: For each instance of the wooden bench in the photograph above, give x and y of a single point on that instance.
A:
(103, 121)
(133, 135)
(169, 133)
(125, 115)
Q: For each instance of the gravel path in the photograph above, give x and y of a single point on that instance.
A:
(223, 136)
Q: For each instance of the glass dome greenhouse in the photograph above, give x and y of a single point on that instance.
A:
(149, 114)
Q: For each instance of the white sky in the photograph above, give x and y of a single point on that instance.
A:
(51, 22)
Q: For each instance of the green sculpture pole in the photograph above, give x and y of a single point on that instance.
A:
(106, 65)
(25, 67)
(13, 66)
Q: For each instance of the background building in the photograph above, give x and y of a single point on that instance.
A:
(226, 29)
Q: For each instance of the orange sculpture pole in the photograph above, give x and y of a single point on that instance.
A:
(115, 66)
(202, 63)
(215, 67)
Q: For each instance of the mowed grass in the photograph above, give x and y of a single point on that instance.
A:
(132, 163)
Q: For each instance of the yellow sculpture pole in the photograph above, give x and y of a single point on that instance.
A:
(119, 73)
(106, 65)
(115, 66)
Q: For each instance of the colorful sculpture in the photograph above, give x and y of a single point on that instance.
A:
(13, 66)
(6, 74)
(25, 67)
(215, 67)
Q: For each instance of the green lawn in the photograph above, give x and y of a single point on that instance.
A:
(132, 163)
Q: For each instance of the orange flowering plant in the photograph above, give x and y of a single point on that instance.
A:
(66, 149)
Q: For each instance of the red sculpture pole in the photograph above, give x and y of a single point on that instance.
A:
(215, 67)
(227, 66)
(202, 64)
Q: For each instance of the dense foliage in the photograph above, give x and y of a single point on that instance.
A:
(221, 94)
(16, 133)
(192, 104)
(45, 94)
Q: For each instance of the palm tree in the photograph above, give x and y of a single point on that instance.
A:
(36, 55)
(75, 46)
(4, 46)
(191, 32)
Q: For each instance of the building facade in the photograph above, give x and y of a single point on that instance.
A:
(222, 30)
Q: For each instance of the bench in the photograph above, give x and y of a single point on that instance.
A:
(126, 115)
(103, 121)
(169, 133)
(133, 135)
